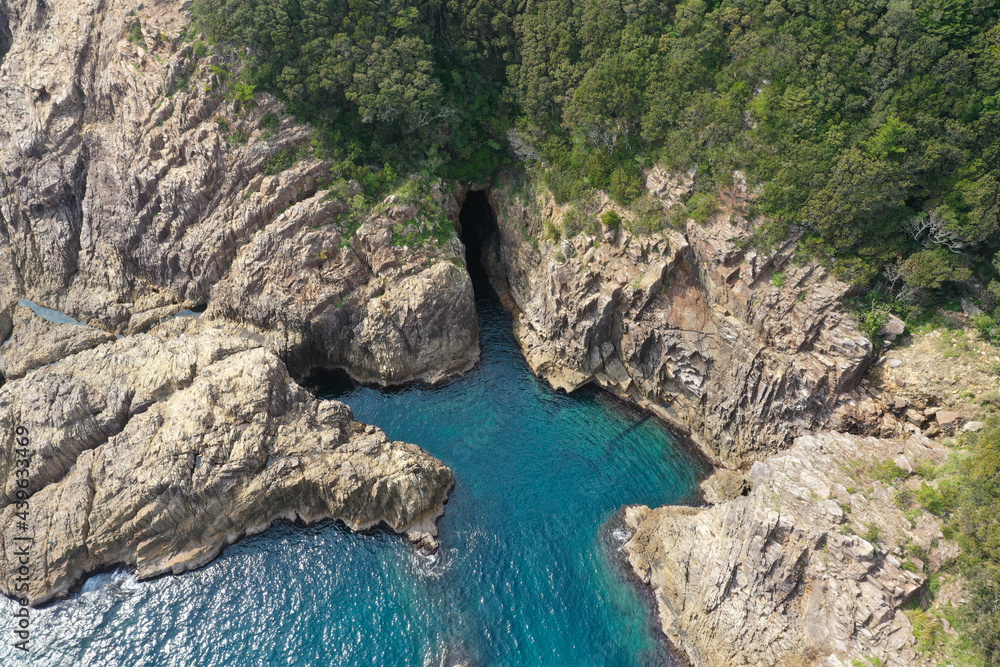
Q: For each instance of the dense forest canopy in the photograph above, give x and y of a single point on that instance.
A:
(870, 125)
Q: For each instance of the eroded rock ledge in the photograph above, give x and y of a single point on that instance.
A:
(158, 449)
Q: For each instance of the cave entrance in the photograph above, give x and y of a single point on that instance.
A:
(6, 38)
(479, 235)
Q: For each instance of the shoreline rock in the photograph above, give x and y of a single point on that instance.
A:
(159, 449)
(687, 324)
(781, 575)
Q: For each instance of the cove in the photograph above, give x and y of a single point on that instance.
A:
(525, 575)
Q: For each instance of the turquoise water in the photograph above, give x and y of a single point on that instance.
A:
(525, 574)
(55, 316)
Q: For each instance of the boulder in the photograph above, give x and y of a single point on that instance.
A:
(947, 418)
(893, 327)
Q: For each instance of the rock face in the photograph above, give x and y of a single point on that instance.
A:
(38, 342)
(742, 351)
(131, 184)
(782, 575)
(159, 449)
(386, 313)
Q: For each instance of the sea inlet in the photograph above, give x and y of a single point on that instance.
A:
(528, 572)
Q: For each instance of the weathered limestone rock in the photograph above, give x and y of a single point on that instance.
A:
(130, 186)
(783, 576)
(159, 449)
(38, 342)
(743, 351)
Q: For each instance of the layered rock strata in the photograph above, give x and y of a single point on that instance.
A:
(132, 183)
(784, 575)
(743, 351)
(159, 449)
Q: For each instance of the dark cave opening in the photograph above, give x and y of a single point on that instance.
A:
(6, 38)
(328, 382)
(477, 229)
(479, 236)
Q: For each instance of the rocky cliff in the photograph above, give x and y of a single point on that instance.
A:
(809, 567)
(800, 556)
(742, 350)
(134, 181)
(160, 448)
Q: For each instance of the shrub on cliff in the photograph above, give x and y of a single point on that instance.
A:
(972, 499)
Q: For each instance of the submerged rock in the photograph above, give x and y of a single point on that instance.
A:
(159, 449)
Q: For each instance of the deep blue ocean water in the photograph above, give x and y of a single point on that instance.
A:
(526, 573)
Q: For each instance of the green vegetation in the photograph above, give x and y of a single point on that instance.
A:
(871, 128)
(135, 35)
(873, 533)
(926, 628)
(430, 222)
(270, 122)
(966, 495)
(199, 50)
(415, 85)
(887, 471)
(576, 221)
(287, 157)
(611, 220)
(976, 507)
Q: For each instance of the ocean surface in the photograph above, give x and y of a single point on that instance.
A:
(527, 573)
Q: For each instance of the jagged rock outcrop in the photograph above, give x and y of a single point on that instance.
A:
(159, 449)
(782, 575)
(132, 183)
(741, 350)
